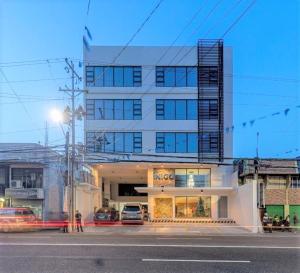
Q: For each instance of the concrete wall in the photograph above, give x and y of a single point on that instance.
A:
(243, 206)
(294, 196)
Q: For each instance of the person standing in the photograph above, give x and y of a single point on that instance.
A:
(78, 217)
(65, 222)
(295, 220)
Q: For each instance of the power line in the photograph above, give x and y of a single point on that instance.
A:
(37, 80)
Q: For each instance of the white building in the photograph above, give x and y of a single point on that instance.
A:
(156, 128)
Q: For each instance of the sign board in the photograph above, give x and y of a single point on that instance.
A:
(24, 193)
(164, 177)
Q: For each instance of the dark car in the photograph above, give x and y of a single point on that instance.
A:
(17, 219)
(106, 215)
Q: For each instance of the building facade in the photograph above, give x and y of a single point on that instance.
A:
(32, 176)
(279, 185)
(158, 128)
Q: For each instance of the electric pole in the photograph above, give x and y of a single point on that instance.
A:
(73, 113)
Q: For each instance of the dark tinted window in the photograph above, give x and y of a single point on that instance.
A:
(129, 190)
(132, 208)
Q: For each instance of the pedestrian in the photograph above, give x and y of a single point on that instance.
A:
(295, 221)
(78, 217)
(65, 222)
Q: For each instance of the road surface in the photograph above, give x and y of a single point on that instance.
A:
(44, 252)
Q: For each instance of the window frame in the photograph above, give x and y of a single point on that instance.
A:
(91, 78)
(161, 142)
(160, 76)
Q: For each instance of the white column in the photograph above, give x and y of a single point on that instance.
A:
(214, 206)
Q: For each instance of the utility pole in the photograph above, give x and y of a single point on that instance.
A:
(73, 93)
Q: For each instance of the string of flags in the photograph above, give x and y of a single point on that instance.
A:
(251, 122)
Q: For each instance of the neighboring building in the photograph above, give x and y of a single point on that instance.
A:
(280, 184)
(31, 175)
(87, 191)
(158, 128)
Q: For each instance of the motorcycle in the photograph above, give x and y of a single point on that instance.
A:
(267, 225)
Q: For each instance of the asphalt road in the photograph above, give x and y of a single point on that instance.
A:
(88, 253)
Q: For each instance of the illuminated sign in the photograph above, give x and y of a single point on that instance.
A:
(163, 177)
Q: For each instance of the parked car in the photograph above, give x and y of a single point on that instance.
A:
(132, 214)
(106, 215)
(17, 219)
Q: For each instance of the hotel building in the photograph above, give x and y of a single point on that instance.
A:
(158, 128)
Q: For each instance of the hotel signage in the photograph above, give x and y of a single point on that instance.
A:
(164, 177)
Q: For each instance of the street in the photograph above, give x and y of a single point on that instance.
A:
(44, 252)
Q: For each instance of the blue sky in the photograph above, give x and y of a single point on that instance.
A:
(265, 57)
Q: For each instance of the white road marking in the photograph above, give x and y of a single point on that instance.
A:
(151, 245)
(195, 261)
(182, 238)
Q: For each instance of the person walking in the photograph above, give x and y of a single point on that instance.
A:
(78, 217)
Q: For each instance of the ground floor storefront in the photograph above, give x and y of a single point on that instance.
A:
(170, 190)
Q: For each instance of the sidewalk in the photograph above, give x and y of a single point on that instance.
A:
(168, 229)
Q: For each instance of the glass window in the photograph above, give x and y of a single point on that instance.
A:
(209, 142)
(169, 109)
(137, 109)
(128, 76)
(109, 142)
(99, 76)
(192, 110)
(181, 109)
(191, 76)
(208, 75)
(198, 207)
(114, 142)
(208, 109)
(180, 177)
(119, 109)
(108, 109)
(90, 109)
(118, 76)
(169, 142)
(128, 109)
(181, 142)
(192, 206)
(99, 109)
(108, 76)
(160, 142)
(160, 78)
(176, 109)
(180, 207)
(119, 142)
(192, 143)
(137, 142)
(169, 76)
(295, 183)
(180, 76)
(128, 142)
(29, 177)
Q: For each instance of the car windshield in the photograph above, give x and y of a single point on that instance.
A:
(132, 208)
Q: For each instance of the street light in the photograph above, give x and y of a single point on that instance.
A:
(56, 115)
